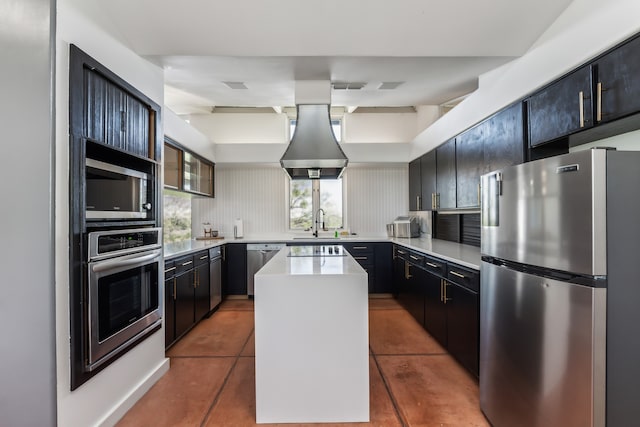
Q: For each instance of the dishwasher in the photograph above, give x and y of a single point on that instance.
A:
(258, 254)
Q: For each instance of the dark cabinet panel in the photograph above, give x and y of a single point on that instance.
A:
(435, 313)
(618, 87)
(504, 143)
(414, 303)
(463, 313)
(115, 117)
(446, 175)
(169, 303)
(383, 257)
(469, 165)
(562, 108)
(415, 190)
(184, 303)
(236, 269)
(201, 285)
(428, 180)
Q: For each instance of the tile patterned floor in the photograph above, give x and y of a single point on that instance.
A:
(211, 383)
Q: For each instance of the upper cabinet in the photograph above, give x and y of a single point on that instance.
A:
(618, 83)
(561, 109)
(589, 103)
(186, 171)
(470, 165)
(415, 187)
(504, 139)
(446, 175)
(428, 188)
(117, 118)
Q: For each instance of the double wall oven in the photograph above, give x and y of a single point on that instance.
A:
(123, 290)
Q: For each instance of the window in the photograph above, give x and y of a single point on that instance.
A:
(336, 126)
(308, 196)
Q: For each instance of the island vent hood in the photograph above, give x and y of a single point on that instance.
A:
(313, 151)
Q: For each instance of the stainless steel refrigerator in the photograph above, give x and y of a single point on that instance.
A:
(560, 291)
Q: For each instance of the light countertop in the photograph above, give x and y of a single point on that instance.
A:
(465, 255)
(283, 264)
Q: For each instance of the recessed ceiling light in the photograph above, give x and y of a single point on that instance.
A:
(236, 85)
(389, 85)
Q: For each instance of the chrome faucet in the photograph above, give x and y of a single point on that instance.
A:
(317, 221)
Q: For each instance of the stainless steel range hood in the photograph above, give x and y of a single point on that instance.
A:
(314, 151)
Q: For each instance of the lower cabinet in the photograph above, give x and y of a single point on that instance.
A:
(376, 259)
(443, 298)
(186, 294)
(235, 268)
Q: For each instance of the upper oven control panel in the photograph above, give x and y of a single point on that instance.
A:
(105, 244)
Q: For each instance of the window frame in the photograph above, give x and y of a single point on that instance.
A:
(315, 204)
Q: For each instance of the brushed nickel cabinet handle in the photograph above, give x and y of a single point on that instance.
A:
(418, 203)
(169, 270)
(362, 247)
(599, 102)
(444, 292)
(455, 273)
(581, 107)
(414, 258)
(407, 274)
(204, 257)
(430, 264)
(441, 292)
(364, 258)
(174, 289)
(401, 252)
(184, 264)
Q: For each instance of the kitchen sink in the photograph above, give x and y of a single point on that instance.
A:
(316, 238)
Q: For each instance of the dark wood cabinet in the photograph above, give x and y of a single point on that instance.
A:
(469, 165)
(376, 260)
(446, 175)
(184, 302)
(169, 303)
(428, 186)
(443, 297)
(186, 171)
(618, 83)
(186, 294)
(235, 262)
(504, 139)
(561, 109)
(201, 285)
(116, 117)
(415, 189)
(383, 256)
(461, 294)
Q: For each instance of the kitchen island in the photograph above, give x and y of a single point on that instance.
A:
(311, 337)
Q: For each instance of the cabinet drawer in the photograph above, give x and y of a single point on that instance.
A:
(435, 266)
(364, 259)
(183, 264)
(411, 257)
(169, 269)
(201, 258)
(465, 277)
(356, 249)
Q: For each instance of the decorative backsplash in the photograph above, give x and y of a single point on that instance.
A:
(375, 196)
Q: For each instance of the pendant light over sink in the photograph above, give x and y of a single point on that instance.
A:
(313, 152)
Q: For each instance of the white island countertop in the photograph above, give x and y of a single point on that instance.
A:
(311, 339)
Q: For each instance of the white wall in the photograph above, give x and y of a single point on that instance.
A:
(27, 346)
(104, 398)
(183, 133)
(586, 29)
(258, 195)
(379, 127)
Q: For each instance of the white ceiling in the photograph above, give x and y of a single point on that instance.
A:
(438, 48)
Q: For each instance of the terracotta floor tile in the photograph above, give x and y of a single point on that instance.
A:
(183, 396)
(236, 304)
(396, 332)
(223, 334)
(432, 390)
(387, 303)
(236, 405)
(250, 347)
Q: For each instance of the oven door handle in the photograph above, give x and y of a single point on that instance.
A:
(108, 265)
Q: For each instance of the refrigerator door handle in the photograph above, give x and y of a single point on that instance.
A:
(491, 191)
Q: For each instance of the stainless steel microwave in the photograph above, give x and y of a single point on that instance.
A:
(116, 192)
